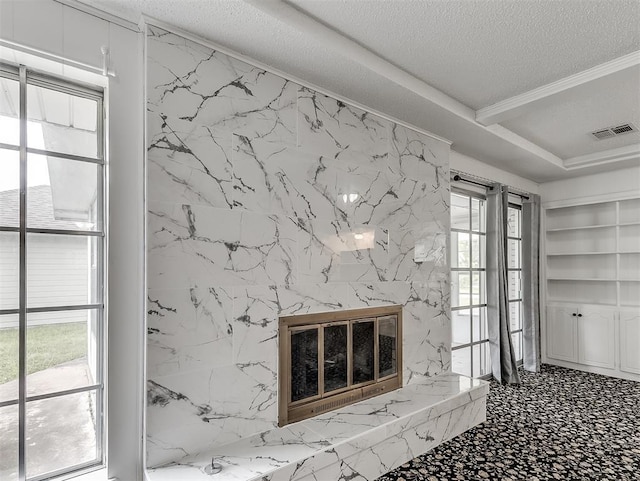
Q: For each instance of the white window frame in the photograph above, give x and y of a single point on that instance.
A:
(24, 76)
(125, 151)
(483, 342)
(517, 300)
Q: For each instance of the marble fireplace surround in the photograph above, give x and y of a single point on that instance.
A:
(252, 181)
(359, 442)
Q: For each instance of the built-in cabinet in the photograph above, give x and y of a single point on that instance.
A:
(592, 267)
(582, 334)
(596, 336)
(562, 341)
(629, 337)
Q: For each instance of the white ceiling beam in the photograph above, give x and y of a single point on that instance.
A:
(628, 152)
(354, 51)
(519, 104)
(511, 136)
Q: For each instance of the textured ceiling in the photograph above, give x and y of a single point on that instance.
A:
(606, 102)
(480, 52)
(477, 52)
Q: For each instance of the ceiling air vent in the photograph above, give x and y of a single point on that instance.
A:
(603, 134)
(623, 129)
(614, 131)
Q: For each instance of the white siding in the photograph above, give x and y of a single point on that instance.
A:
(57, 274)
(57, 270)
(9, 269)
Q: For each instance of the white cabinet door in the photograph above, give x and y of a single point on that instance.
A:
(561, 333)
(630, 341)
(596, 337)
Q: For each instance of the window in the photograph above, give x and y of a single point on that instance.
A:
(51, 276)
(514, 272)
(470, 340)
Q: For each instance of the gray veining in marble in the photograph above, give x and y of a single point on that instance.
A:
(362, 441)
(264, 199)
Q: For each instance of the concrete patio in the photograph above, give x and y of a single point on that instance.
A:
(60, 431)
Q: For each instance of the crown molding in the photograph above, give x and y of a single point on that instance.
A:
(514, 106)
(628, 152)
(592, 199)
(102, 14)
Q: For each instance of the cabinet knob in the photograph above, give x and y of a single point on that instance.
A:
(579, 315)
(574, 314)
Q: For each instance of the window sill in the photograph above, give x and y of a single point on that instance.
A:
(97, 474)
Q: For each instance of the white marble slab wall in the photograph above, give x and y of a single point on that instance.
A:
(256, 187)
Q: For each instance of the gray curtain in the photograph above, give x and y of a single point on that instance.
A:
(531, 283)
(503, 359)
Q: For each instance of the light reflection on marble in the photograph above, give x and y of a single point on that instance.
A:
(365, 440)
(333, 251)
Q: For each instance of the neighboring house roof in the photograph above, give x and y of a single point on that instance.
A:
(39, 209)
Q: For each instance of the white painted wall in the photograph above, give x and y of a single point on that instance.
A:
(127, 330)
(469, 165)
(58, 29)
(613, 184)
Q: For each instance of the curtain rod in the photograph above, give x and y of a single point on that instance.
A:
(458, 178)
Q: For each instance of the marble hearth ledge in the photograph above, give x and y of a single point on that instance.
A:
(358, 442)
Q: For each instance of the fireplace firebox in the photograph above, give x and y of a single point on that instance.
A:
(330, 360)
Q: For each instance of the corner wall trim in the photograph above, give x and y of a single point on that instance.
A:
(513, 106)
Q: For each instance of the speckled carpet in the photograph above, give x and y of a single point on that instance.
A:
(559, 424)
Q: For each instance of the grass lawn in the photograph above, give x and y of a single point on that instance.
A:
(47, 346)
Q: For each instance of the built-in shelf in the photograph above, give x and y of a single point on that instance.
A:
(584, 227)
(584, 303)
(593, 253)
(591, 227)
(580, 279)
(592, 279)
(579, 216)
(629, 211)
(629, 269)
(581, 302)
(552, 254)
(592, 269)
